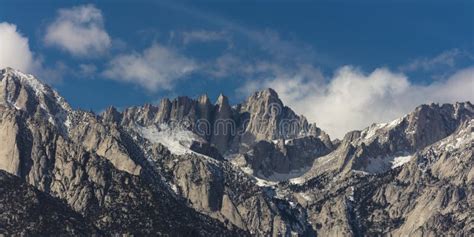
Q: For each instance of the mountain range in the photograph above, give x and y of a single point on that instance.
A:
(191, 167)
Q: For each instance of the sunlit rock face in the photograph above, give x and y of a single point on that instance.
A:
(193, 167)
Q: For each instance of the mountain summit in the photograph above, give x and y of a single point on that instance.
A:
(192, 167)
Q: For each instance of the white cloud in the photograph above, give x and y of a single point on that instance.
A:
(353, 100)
(284, 49)
(156, 68)
(204, 36)
(263, 53)
(226, 65)
(79, 31)
(87, 70)
(447, 58)
(15, 50)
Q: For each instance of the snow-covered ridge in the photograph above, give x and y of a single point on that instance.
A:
(371, 132)
(58, 113)
(458, 140)
(26, 79)
(463, 138)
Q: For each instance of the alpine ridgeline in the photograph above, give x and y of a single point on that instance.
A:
(190, 167)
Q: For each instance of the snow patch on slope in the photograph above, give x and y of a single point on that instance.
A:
(463, 138)
(379, 165)
(259, 182)
(400, 160)
(299, 180)
(177, 140)
(378, 131)
(371, 131)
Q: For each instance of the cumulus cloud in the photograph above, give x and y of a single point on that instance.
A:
(156, 68)
(353, 100)
(79, 31)
(15, 50)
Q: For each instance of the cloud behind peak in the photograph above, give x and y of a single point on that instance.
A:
(352, 99)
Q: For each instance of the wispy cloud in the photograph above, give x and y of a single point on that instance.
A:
(199, 36)
(80, 31)
(352, 99)
(446, 59)
(226, 65)
(156, 68)
(279, 48)
(263, 54)
(87, 70)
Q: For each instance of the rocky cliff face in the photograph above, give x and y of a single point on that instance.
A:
(232, 130)
(190, 167)
(281, 159)
(239, 131)
(431, 193)
(91, 167)
(25, 210)
(377, 148)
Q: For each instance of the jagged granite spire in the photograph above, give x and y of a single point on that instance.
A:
(224, 127)
(112, 115)
(142, 176)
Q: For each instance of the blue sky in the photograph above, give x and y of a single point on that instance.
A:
(367, 61)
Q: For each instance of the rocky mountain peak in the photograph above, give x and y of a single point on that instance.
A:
(263, 100)
(270, 119)
(111, 115)
(164, 102)
(131, 173)
(222, 131)
(204, 100)
(375, 148)
(10, 74)
(267, 93)
(16, 86)
(222, 100)
(429, 123)
(25, 92)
